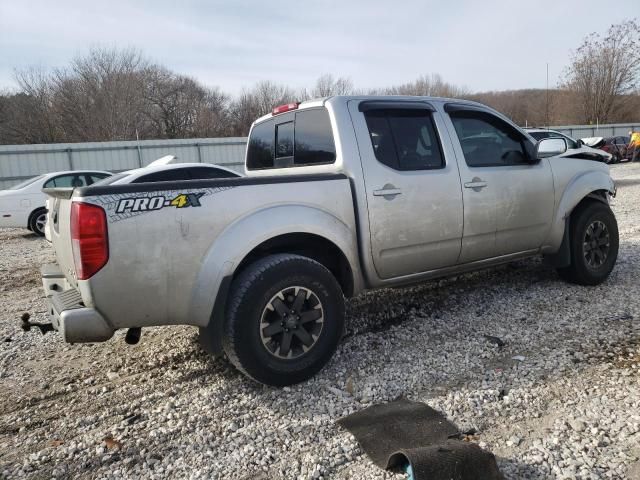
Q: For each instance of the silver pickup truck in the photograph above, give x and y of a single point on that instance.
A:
(341, 194)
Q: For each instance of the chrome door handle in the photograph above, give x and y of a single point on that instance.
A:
(388, 191)
(476, 184)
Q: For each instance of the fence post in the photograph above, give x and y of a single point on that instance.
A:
(139, 155)
(70, 158)
(199, 152)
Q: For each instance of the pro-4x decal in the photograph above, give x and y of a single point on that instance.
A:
(121, 207)
(143, 204)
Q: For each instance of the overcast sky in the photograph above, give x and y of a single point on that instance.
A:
(488, 45)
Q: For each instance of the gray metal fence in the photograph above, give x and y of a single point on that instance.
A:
(610, 130)
(19, 162)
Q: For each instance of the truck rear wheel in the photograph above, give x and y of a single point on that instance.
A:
(593, 244)
(284, 319)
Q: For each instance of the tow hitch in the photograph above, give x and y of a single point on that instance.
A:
(26, 324)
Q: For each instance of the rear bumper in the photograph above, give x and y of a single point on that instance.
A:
(76, 322)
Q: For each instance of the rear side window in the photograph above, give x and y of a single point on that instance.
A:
(304, 138)
(260, 150)
(404, 139)
(67, 181)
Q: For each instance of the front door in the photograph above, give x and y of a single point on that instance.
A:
(508, 201)
(412, 186)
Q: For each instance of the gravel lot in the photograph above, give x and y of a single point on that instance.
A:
(561, 398)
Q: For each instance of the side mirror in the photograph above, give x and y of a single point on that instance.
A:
(550, 147)
(580, 143)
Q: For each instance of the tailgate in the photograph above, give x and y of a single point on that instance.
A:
(59, 229)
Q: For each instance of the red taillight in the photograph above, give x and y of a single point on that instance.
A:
(285, 108)
(89, 239)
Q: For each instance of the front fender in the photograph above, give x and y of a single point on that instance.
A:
(246, 233)
(579, 187)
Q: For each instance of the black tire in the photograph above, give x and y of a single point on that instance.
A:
(36, 224)
(251, 308)
(616, 158)
(592, 260)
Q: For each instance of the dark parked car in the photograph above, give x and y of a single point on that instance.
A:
(618, 147)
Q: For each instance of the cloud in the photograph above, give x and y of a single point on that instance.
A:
(481, 45)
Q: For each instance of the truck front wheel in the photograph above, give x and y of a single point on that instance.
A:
(284, 319)
(593, 244)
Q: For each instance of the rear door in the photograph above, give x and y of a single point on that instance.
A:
(508, 201)
(412, 186)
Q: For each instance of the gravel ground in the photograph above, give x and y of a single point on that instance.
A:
(561, 398)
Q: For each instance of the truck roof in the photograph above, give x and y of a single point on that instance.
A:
(319, 102)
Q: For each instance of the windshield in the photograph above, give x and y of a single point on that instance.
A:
(26, 183)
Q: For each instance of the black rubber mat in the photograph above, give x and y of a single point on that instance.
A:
(402, 431)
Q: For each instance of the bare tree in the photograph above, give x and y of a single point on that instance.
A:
(256, 102)
(100, 97)
(327, 86)
(29, 115)
(177, 106)
(432, 85)
(603, 68)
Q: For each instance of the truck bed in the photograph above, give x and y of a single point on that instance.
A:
(170, 243)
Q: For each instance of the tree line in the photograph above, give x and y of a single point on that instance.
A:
(118, 94)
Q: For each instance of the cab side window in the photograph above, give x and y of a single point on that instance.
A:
(404, 139)
(488, 141)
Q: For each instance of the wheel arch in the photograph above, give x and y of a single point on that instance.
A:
(297, 229)
(588, 186)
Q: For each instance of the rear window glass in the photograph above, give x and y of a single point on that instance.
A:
(95, 177)
(314, 140)
(111, 179)
(164, 176)
(284, 144)
(307, 140)
(197, 173)
(404, 139)
(26, 183)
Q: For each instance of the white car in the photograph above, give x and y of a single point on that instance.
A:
(575, 148)
(23, 205)
(168, 172)
(161, 170)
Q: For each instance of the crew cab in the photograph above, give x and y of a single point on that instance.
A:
(341, 194)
